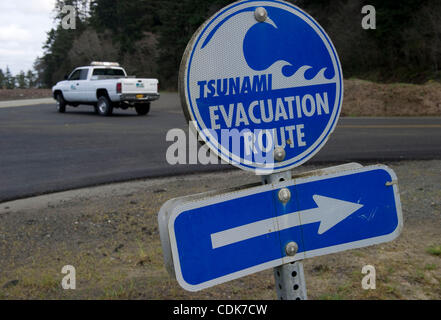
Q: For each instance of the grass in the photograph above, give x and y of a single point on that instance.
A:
(119, 292)
(391, 290)
(419, 275)
(430, 267)
(434, 250)
(332, 296)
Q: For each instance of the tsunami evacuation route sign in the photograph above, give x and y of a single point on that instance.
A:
(253, 83)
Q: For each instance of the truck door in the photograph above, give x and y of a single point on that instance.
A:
(80, 86)
(72, 85)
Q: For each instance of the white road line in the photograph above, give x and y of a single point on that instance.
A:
(24, 103)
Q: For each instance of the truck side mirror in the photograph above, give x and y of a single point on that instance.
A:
(66, 76)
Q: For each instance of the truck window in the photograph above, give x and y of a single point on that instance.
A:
(84, 73)
(108, 72)
(75, 76)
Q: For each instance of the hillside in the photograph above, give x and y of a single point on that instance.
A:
(368, 99)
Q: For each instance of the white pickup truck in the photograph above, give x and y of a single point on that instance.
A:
(105, 85)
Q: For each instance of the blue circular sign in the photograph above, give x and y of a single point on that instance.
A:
(263, 85)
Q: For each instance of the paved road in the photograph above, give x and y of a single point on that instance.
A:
(42, 151)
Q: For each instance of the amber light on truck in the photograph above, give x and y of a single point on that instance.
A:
(118, 87)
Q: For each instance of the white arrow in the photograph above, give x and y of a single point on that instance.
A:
(329, 213)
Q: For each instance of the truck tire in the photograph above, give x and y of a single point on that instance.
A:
(142, 109)
(61, 103)
(104, 106)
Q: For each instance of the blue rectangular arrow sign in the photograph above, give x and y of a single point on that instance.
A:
(222, 237)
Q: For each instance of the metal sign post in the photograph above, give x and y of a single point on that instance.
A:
(289, 278)
(290, 282)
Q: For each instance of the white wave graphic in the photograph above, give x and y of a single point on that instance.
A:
(298, 79)
(230, 62)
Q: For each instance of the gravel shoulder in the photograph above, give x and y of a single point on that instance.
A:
(110, 235)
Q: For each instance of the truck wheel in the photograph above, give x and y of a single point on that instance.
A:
(61, 103)
(142, 109)
(105, 107)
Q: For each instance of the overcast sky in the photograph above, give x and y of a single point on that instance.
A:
(23, 28)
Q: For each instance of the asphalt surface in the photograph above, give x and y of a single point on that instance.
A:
(42, 151)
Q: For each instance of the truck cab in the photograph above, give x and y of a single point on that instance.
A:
(105, 85)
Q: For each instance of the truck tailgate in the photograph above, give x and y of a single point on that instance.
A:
(134, 86)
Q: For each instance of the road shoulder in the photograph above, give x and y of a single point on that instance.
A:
(25, 103)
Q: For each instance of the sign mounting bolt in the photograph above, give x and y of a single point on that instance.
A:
(261, 14)
(279, 154)
(284, 195)
(291, 249)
